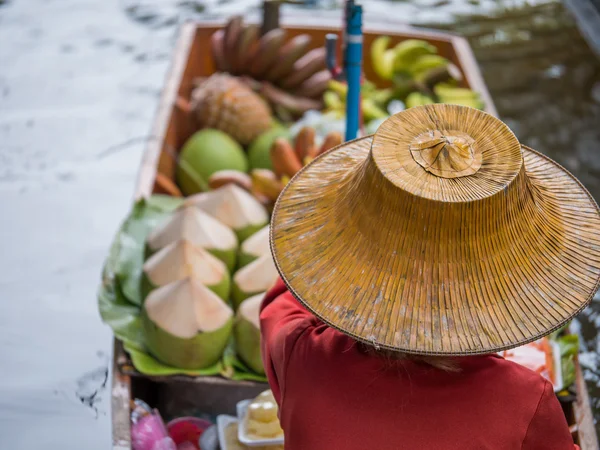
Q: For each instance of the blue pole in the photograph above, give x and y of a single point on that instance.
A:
(353, 62)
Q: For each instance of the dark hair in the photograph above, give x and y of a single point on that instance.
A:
(445, 363)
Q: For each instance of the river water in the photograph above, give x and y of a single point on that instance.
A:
(79, 84)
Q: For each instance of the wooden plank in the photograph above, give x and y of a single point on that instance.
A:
(584, 418)
(120, 410)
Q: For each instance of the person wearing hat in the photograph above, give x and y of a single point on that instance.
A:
(408, 260)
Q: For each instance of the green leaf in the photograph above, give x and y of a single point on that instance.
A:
(569, 348)
(148, 365)
(235, 369)
(145, 216)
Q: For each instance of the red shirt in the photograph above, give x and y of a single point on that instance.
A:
(334, 396)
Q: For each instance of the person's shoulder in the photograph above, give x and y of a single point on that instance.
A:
(501, 373)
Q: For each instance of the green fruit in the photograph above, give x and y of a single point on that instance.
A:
(256, 277)
(255, 246)
(259, 152)
(234, 207)
(409, 51)
(206, 152)
(382, 59)
(246, 332)
(201, 229)
(426, 63)
(186, 325)
(181, 259)
(418, 99)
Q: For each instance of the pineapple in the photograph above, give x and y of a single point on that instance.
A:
(224, 103)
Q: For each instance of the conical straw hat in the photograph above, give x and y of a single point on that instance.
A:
(440, 234)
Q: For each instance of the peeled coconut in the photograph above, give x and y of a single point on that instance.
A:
(235, 207)
(258, 276)
(204, 153)
(182, 259)
(186, 325)
(201, 229)
(255, 246)
(247, 332)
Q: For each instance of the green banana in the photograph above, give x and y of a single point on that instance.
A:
(372, 111)
(425, 63)
(332, 100)
(409, 51)
(445, 90)
(417, 99)
(382, 59)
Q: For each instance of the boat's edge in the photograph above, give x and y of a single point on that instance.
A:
(148, 168)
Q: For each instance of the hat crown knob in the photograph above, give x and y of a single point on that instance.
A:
(447, 153)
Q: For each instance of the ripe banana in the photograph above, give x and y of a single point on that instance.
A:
(315, 85)
(246, 47)
(304, 144)
(294, 105)
(217, 49)
(265, 182)
(266, 54)
(288, 55)
(284, 159)
(309, 64)
(233, 30)
(333, 139)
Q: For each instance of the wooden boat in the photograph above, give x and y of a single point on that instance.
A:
(179, 395)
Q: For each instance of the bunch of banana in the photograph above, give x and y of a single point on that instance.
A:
(373, 100)
(294, 76)
(411, 59)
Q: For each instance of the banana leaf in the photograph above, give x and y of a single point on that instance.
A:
(235, 369)
(145, 216)
(148, 365)
(119, 296)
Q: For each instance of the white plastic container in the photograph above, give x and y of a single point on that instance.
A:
(243, 437)
(223, 421)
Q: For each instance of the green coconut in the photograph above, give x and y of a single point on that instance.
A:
(204, 153)
(255, 246)
(234, 207)
(258, 276)
(201, 229)
(259, 152)
(186, 325)
(246, 332)
(182, 259)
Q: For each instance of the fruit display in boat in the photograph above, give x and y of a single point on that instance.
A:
(259, 155)
(254, 278)
(186, 325)
(182, 259)
(286, 71)
(234, 207)
(262, 417)
(200, 229)
(223, 102)
(254, 247)
(246, 332)
(204, 153)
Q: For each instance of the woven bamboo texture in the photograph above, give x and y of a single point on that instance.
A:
(440, 234)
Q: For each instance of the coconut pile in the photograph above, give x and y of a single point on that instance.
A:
(206, 270)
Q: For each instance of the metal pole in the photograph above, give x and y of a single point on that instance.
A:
(353, 63)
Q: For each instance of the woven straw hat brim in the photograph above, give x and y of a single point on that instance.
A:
(416, 286)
